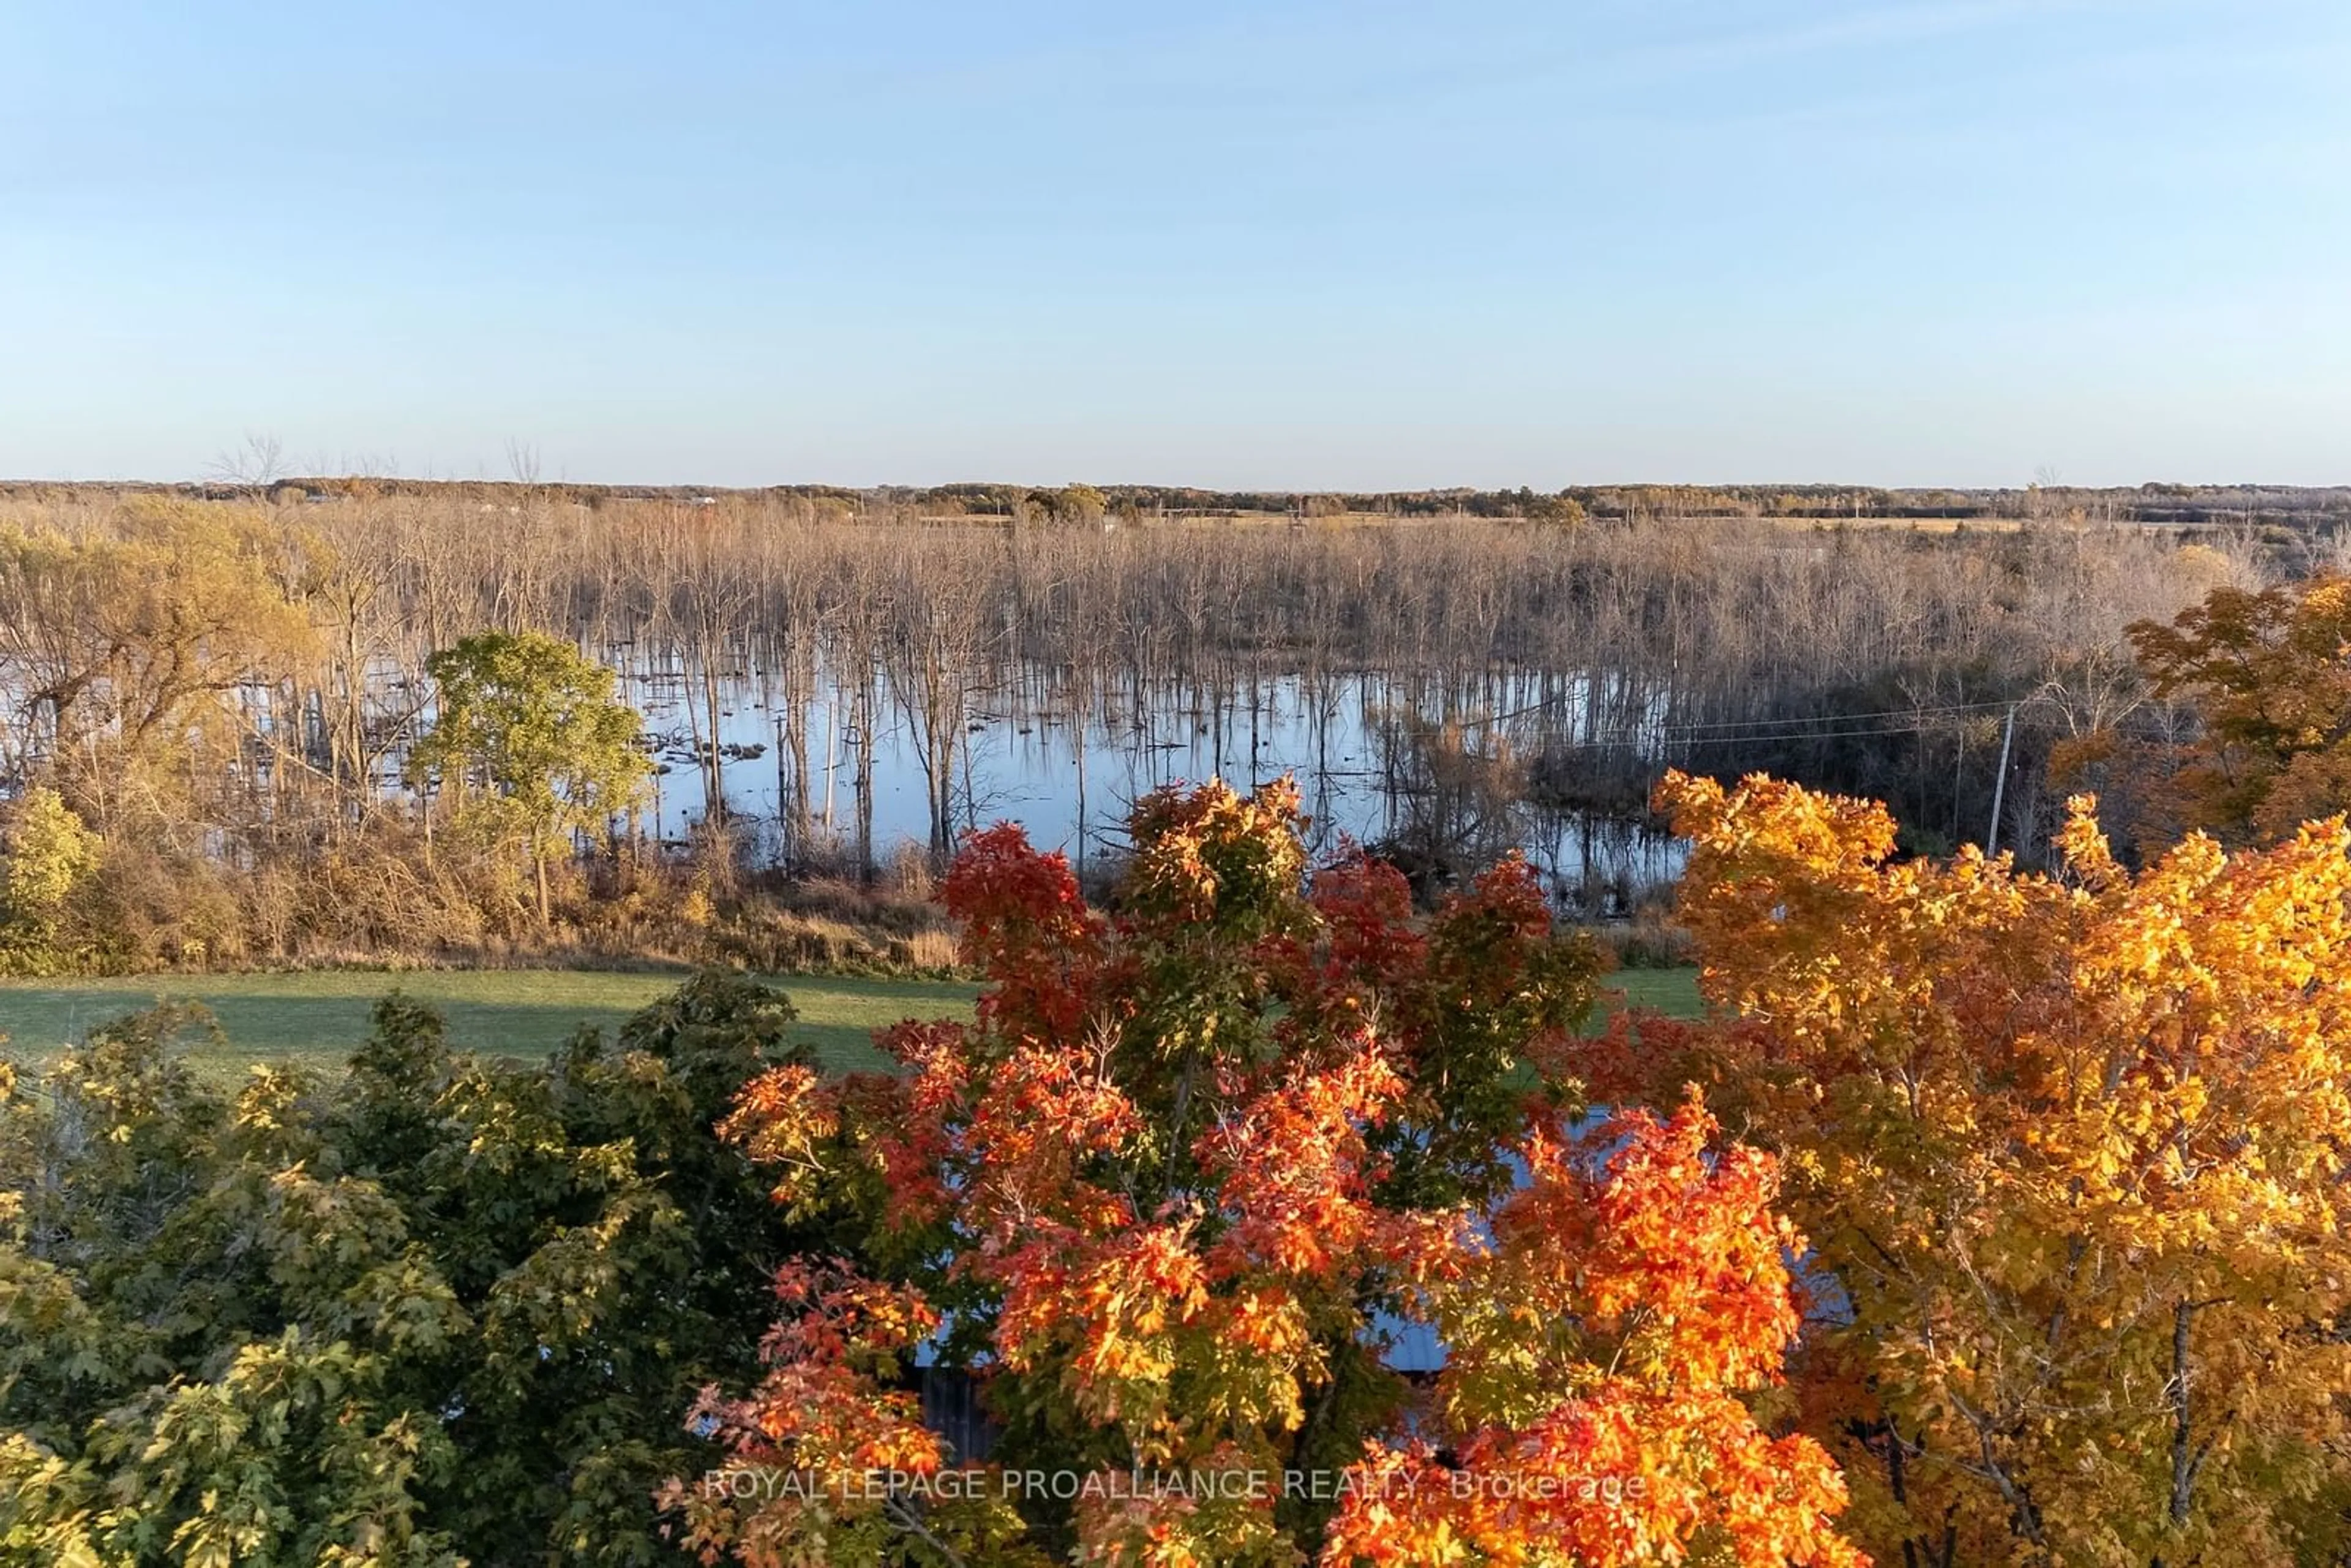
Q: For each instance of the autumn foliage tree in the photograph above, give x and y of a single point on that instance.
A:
(124, 653)
(2071, 1151)
(2270, 676)
(46, 853)
(1173, 1194)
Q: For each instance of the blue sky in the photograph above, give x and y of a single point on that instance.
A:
(1358, 245)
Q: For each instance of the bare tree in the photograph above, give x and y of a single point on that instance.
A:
(257, 464)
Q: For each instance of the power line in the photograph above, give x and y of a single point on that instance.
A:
(1913, 713)
(1801, 728)
(1917, 728)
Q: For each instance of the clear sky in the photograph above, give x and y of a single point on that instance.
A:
(1224, 242)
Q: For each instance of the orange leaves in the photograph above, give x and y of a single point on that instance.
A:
(1680, 1255)
(841, 1316)
(1291, 1163)
(997, 1143)
(1600, 1340)
(1127, 1309)
(1803, 924)
(804, 1446)
(1264, 1319)
(1027, 925)
(2272, 690)
(784, 1117)
(2089, 859)
(1664, 1249)
(1171, 1186)
(1839, 837)
(1111, 1309)
(1028, 1136)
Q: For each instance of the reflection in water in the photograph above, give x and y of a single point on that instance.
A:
(1359, 747)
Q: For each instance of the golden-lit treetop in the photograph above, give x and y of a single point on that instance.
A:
(2071, 1150)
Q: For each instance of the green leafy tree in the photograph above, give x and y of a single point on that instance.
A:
(530, 739)
(446, 1312)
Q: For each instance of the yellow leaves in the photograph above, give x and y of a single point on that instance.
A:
(155, 619)
(785, 1117)
(1765, 818)
(2083, 845)
(2026, 1117)
(1211, 856)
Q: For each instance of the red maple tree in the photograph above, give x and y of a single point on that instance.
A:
(1175, 1193)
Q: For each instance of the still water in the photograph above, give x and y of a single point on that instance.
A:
(1028, 758)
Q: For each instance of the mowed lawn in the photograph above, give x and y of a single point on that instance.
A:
(316, 1019)
(1672, 992)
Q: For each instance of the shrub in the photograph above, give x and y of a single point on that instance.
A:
(49, 856)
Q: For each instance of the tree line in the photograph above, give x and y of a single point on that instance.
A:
(227, 693)
(260, 471)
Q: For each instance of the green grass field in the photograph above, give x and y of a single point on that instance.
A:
(316, 1019)
(1672, 992)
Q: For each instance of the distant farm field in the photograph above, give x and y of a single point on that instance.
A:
(316, 1019)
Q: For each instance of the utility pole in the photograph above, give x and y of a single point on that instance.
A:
(2000, 781)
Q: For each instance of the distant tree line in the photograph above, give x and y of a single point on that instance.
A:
(2282, 511)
